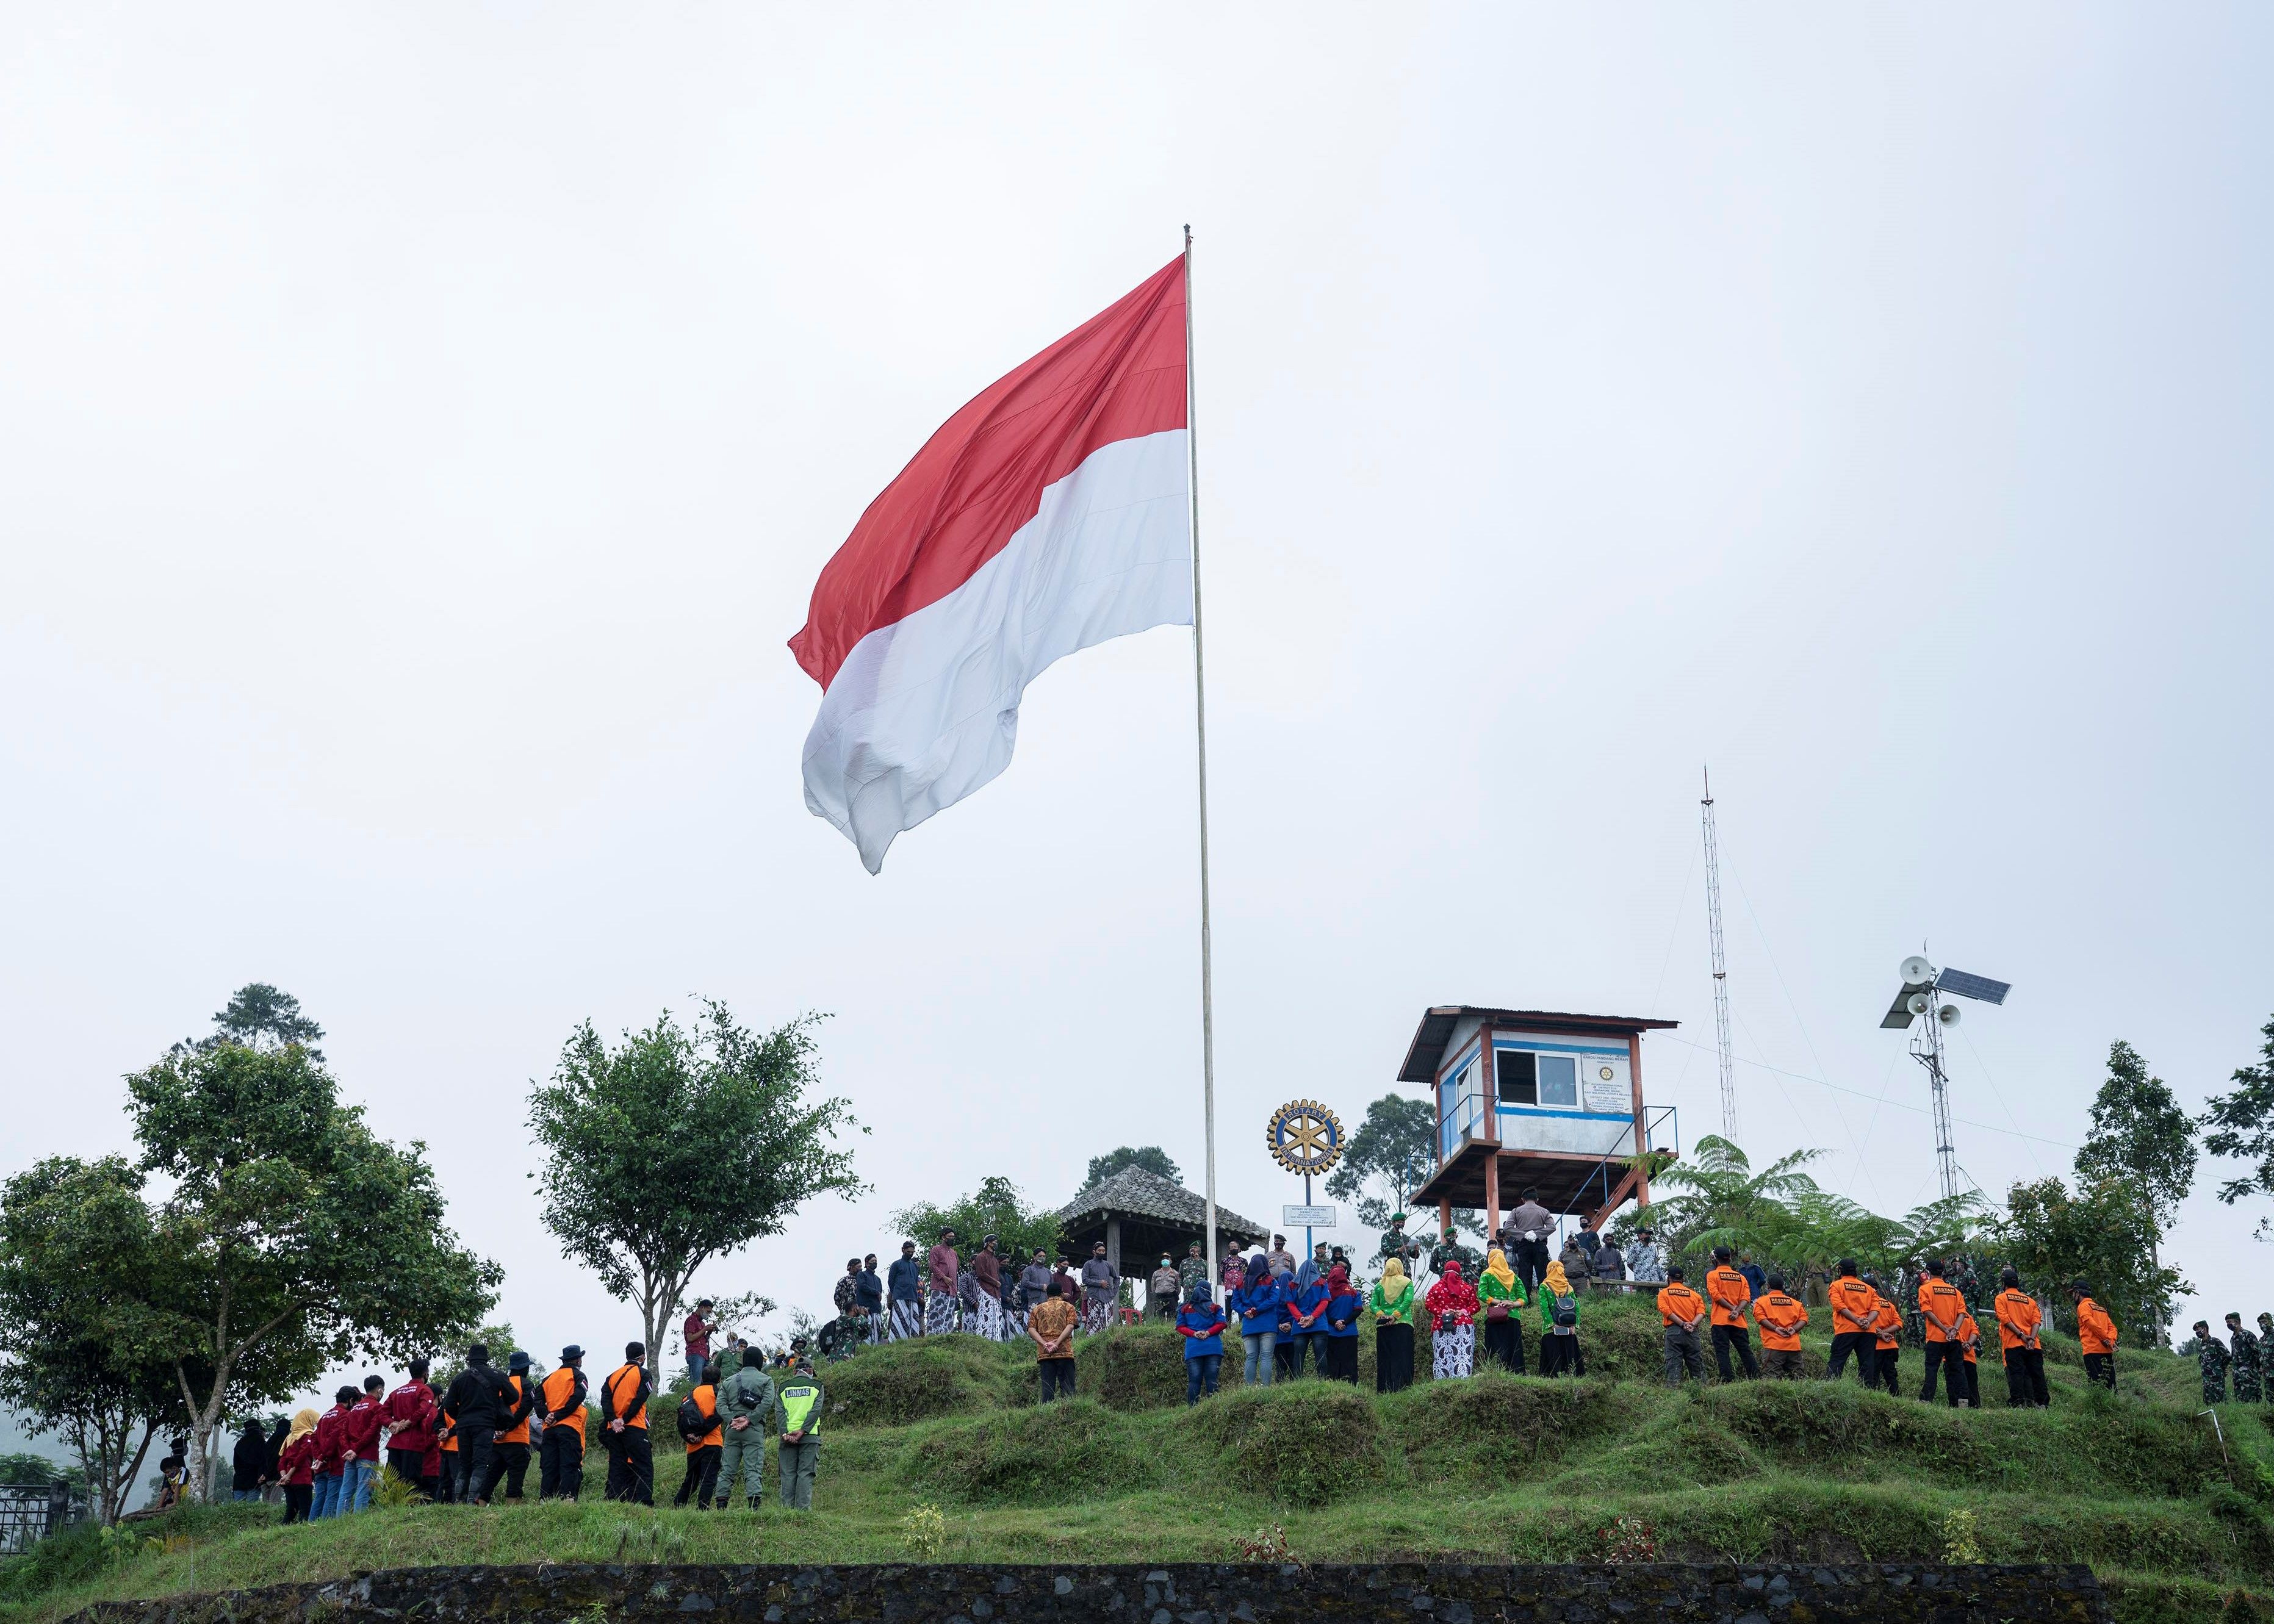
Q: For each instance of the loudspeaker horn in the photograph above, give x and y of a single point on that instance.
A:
(1949, 1014)
(1916, 1003)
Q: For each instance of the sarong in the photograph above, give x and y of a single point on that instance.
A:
(939, 1314)
(907, 1321)
(1453, 1352)
(1096, 1311)
(987, 1320)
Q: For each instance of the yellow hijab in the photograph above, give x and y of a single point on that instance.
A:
(1555, 1283)
(1393, 1277)
(303, 1423)
(1496, 1266)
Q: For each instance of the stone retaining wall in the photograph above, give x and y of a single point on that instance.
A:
(1250, 1593)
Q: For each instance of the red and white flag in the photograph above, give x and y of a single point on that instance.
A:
(1049, 514)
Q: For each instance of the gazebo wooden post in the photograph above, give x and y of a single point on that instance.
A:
(1113, 1243)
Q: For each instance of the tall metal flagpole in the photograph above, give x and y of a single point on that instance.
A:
(1199, 702)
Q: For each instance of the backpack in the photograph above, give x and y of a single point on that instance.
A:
(692, 1422)
(1564, 1315)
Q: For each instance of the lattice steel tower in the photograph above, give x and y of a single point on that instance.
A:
(1720, 966)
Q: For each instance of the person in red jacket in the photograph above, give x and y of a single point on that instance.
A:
(359, 1447)
(410, 1413)
(326, 1484)
(296, 1466)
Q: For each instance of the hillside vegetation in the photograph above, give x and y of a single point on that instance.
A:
(2138, 1485)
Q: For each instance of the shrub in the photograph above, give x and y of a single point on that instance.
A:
(1308, 1443)
(1132, 1367)
(923, 1379)
(1070, 1451)
(1497, 1428)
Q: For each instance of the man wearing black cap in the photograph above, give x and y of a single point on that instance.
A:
(561, 1451)
(509, 1444)
(476, 1402)
(623, 1428)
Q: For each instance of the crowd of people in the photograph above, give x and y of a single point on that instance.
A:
(473, 1442)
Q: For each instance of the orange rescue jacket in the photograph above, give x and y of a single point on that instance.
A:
(555, 1392)
(624, 1380)
(1780, 1317)
(706, 1399)
(1942, 1305)
(1887, 1322)
(518, 1432)
(1969, 1337)
(1853, 1306)
(2096, 1332)
(1730, 1294)
(1678, 1304)
(2019, 1317)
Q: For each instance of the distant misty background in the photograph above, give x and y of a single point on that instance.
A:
(422, 425)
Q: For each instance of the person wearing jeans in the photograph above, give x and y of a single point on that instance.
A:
(1259, 1302)
(1201, 1324)
(359, 1447)
(325, 1501)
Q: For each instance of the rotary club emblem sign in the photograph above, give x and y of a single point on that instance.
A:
(1304, 1137)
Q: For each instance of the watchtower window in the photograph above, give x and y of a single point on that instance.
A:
(1516, 1077)
(1559, 1082)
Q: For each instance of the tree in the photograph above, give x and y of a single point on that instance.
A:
(1390, 1156)
(2242, 1124)
(2103, 1233)
(259, 1015)
(1152, 1158)
(83, 1358)
(2140, 1133)
(293, 1237)
(677, 1147)
(996, 1208)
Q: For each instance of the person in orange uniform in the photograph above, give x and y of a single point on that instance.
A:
(509, 1445)
(1942, 1305)
(623, 1429)
(1730, 1293)
(1681, 1311)
(561, 1451)
(1855, 1305)
(1780, 1316)
(1887, 1349)
(1969, 1346)
(450, 1487)
(2096, 1336)
(2020, 1320)
(704, 1444)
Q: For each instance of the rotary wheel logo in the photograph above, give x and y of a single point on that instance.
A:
(1304, 1137)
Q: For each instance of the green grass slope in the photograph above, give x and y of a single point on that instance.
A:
(2175, 1521)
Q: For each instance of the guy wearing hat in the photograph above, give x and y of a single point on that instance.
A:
(623, 1428)
(2211, 1360)
(1162, 1287)
(475, 1402)
(560, 1451)
(2246, 1360)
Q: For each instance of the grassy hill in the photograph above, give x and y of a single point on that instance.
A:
(1495, 1468)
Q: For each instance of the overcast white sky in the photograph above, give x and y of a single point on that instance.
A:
(420, 428)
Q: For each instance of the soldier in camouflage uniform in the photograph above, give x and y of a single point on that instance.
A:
(2248, 1355)
(1191, 1272)
(2266, 1357)
(2211, 1357)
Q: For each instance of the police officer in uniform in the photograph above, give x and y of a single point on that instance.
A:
(798, 1405)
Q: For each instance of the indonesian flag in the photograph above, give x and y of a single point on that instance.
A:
(1049, 514)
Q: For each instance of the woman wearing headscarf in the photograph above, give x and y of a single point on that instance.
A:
(1501, 1295)
(1559, 1325)
(1338, 1347)
(1392, 1303)
(1452, 1306)
(274, 1491)
(1200, 1325)
(1259, 1303)
(296, 1464)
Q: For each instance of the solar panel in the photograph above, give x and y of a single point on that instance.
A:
(1967, 986)
(1899, 1013)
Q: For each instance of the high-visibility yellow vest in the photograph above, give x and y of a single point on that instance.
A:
(797, 1406)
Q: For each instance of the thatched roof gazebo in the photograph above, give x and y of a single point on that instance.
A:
(1143, 1215)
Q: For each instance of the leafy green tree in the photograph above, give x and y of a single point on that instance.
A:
(677, 1147)
(1152, 1158)
(2140, 1133)
(293, 1237)
(259, 1015)
(1390, 1155)
(997, 1208)
(2241, 1124)
(2103, 1233)
(83, 1356)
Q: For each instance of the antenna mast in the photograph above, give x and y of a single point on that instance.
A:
(1720, 966)
(1926, 1048)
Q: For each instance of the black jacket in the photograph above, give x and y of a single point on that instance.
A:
(250, 1464)
(481, 1396)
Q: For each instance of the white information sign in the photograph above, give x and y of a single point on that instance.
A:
(1307, 1217)
(1603, 1087)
